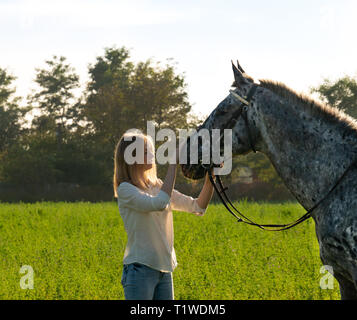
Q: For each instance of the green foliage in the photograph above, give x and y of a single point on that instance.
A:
(5, 90)
(110, 69)
(33, 166)
(260, 165)
(10, 112)
(341, 94)
(55, 97)
(121, 96)
(72, 140)
(76, 251)
(10, 118)
(42, 160)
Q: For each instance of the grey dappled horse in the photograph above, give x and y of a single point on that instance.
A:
(310, 146)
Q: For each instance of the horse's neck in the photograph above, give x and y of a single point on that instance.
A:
(308, 153)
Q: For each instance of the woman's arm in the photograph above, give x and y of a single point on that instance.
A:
(131, 196)
(170, 178)
(135, 198)
(206, 193)
(182, 202)
(139, 200)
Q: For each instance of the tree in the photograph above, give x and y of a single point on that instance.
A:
(47, 153)
(55, 98)
(158, 94)
(111, 69)
(341, 94)
(121, 96)
(106, 104)
(10, 113)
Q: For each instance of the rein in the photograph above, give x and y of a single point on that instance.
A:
(221, 190)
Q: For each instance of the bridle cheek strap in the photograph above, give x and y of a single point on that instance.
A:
(246, 102)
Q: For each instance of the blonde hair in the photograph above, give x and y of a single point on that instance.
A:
(133, 173)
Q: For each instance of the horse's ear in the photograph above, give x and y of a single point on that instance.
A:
(239, 79)
(240, 67)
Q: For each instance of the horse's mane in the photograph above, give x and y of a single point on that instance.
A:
(312, 107)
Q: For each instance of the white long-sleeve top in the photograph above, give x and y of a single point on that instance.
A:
(148, 222)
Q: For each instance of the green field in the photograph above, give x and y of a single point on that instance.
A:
(76, 252)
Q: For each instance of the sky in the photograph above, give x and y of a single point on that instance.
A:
(297, 42)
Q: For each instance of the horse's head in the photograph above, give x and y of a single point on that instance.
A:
(229, 114)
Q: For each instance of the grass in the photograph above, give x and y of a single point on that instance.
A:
(76, 252)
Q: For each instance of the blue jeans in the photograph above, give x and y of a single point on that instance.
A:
(141, 282)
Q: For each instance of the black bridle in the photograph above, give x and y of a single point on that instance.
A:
(221, 190)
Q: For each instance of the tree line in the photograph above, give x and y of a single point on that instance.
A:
(59, 136)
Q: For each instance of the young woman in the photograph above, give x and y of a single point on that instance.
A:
(145, 205)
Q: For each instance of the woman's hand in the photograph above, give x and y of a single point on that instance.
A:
(212, 172)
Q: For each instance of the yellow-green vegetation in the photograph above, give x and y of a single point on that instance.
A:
(76, 252)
